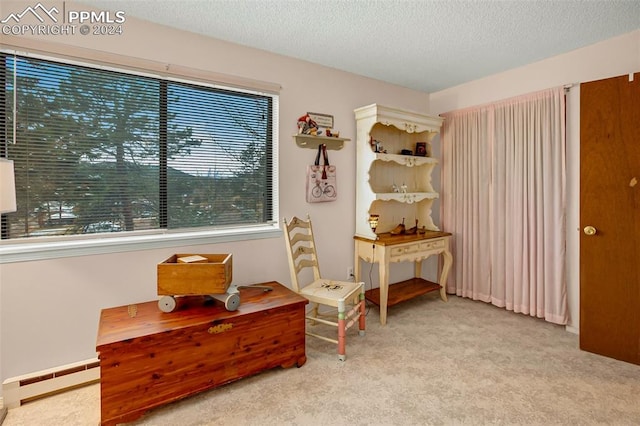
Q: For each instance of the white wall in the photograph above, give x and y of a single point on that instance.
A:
(49, 309)
(613, 57)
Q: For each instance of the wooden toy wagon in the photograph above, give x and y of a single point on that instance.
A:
(196, 275)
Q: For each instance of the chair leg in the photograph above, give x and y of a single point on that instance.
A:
(314, 312)
(342, 332)
(342, 337)
(362, 315)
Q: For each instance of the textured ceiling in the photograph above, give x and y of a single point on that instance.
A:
(424, 45)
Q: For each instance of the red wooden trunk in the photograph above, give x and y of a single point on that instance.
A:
(149, 358)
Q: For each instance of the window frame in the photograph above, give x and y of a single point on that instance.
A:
(42, 248)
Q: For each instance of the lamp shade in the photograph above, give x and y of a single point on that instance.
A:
(7, 187)
(373, 221)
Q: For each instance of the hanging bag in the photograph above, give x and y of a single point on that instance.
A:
(321, 179)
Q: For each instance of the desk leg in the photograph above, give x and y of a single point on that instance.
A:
(448, 260)
(383, 268)
(417, 269)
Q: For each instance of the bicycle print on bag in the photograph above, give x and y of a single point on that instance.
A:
(321, 179)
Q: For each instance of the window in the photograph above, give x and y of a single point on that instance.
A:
(100, 151)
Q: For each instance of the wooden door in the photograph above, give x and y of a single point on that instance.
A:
(610, 203)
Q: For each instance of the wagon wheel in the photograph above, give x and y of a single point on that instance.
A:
(231, 300)
(167, 303)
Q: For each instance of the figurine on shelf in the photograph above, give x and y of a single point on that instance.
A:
(376, 146)
(403, 188)
(306, 126)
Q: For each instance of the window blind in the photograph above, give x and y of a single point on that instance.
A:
(100, 151)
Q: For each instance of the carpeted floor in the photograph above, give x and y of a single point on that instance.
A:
(434, 363)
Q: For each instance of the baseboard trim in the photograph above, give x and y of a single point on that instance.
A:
(39, 384)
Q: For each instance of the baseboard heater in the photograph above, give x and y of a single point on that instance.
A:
(29, 387)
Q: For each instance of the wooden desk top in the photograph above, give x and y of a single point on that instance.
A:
(144, 319)
(387, 239)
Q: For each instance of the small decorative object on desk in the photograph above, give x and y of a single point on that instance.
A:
(373, 222)
(398, 230)
(413, 230)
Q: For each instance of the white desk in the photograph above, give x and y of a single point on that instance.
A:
(402, 248)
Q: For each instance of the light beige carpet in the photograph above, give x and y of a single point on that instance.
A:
(434, 363)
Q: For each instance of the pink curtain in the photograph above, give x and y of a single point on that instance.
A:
(503, 199)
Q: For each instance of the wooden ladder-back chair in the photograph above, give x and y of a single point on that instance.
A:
(346, 296)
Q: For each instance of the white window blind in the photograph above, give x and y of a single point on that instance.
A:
(100, 151)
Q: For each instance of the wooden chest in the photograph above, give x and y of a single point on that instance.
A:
(149, 358)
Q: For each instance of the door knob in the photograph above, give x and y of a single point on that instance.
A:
(590, 230)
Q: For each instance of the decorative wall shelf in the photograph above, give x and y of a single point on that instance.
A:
(310, 141)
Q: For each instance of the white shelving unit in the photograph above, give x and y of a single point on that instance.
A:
(390, 184)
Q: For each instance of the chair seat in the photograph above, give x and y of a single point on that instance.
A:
(330, 291)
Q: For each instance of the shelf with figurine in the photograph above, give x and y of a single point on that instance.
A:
(311, 134)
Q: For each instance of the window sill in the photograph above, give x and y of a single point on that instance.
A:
(12, 252)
